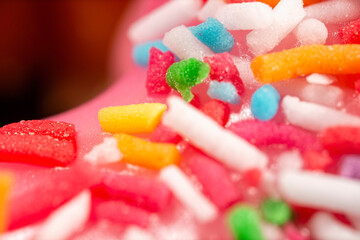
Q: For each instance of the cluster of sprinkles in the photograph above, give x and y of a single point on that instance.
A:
(260, 133)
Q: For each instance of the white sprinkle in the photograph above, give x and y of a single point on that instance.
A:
(245, 16)
(136, 233)
(289, 160)
(321, 79)
(330, 96)
(315, 117)
(334, 11)
(311, 31)
(162, 19)
(324, 226)
(67, 219)
(206, 134)
(209, 9)
(184, 44)
(319, 190)
(271, 232)
(287, 14)
(268, 184)
(105, 152)
(187, 194)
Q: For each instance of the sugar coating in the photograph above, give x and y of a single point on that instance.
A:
(350, 33)
(224, 91)
(321, 79)
(71, 216)
(245, 16)
(324, 226)
(203, 132)
(105, 152)
(156, 74)
(188, 195)
(311, 31)
(265, 102)
(334, 11)
(184, 44)
(134, 232)
(184, 75)
(141, 52)
(315, 117)
(287, 14)
(341, 139)
(214, 35)
(350, 166)
(217, 110)
(321, 191)
(209, 9)
(152, 25)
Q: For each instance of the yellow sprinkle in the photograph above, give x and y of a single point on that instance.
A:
(147, 154)
(137, 118)
(6, 181)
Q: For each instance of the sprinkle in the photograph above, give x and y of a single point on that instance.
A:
(6, 182)
(350, 33)
(326, 95)
(287, 14)
(141, 52)
(273, 3)
(265, 103)
(335, 11)
(320, 79)
(245, 223)
(315, 117)
(140, 191)
(134, 232)
(184, 44)
(300, 61)
(184, 75)
(293, 233)
(276, 211)
(188, 195)
(156, 74)
(146, 154)
(165, 135)
(245, 16)
(209, 9)
(152, 26)
(71, 216)
(217, 110)
(137, 118)
(350, 166)
(272, 232)
(318, 161)
(224, 91)
(341, 139)
(289, 160)
(324, 226)
(323, 191)
(311, 31)
(205, 133)
(105, 152)
(213, 34)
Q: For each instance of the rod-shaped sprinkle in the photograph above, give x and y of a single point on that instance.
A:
(315, 117)
(206, 134)
(187, 194)
(300, 61)
(319, 190)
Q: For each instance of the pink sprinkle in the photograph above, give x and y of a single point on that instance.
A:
(217, 110)
(159, 62)
(268, 133)
(120, 212)
(165, 134)
(222, 68)
(214, 178)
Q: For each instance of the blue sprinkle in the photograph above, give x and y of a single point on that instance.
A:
(214, 35)
(141, 51)
(265, 102)
(224, 91)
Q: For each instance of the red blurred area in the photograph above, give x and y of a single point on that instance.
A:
(54, 54)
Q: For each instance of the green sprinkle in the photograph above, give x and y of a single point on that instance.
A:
(244, 222)
(184, 75)
(276, 211)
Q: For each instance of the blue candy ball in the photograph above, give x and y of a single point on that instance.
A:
(265, 103)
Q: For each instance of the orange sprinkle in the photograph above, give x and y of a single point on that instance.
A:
(273, 3)
(6, 181)
(147, 154)
(334, 59)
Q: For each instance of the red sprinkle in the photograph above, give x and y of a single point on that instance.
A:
(357, 85)
(350, 34)
(217, 110)
(222, 68)
(165, 134)
(159, 62)
(252, 177)
(314, 160)
(341, 139)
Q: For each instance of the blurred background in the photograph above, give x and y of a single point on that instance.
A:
(54, 55)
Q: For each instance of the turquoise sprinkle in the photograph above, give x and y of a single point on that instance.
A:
(141, 51)
(214, 35)
(224, 91)
(265, 102)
